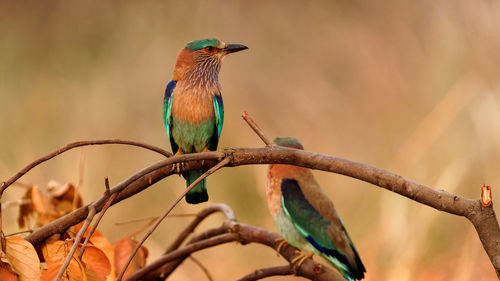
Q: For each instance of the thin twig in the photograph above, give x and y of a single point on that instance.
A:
(19, 202)
(213, 241)
(106, 184)
(157, 223)
(202, 215)
(152, 218)
(256, 128)
(19, 232)
(268, 272)
(203, 268)
(78, 238)
(94, 225)
(74, 145)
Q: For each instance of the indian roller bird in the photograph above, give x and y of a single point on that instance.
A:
(306, 218)
(193, 112)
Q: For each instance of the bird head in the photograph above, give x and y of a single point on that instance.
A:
(203, 56)
(289, 142)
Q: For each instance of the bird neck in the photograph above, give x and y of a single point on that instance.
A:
(203, 75)
(197, 71)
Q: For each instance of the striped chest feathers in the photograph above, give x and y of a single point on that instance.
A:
(193, 104)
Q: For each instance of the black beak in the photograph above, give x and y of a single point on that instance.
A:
(233, 48)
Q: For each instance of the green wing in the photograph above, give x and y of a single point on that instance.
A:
(314, 227)
(167, 113)
(219, 120)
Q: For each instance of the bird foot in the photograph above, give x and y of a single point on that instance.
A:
(280, 245)
(298, 260)
(203, 160)
(177, 166)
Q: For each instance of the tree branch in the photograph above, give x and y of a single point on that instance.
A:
(268, 272)
(164, 215)
(74, 145)
(483, 218)
(244, 234)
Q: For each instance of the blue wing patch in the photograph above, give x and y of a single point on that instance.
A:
(219, 120)
(312, 225)
(167, 113)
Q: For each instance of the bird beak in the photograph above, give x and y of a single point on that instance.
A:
(233, 48)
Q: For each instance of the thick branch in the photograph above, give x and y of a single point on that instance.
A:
(482, 218)
(244, 234)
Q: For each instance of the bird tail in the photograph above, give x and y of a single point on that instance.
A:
(199, 193)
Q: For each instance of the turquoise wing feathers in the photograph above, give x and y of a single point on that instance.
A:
(167, 113)
(219, 120)
(314, 227)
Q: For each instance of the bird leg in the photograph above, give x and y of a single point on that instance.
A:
(298, 260)
(177, 166)
(203, 160)
(281, 244)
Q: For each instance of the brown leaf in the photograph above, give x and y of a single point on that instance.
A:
(123, 250)
(74, 272)
(7, 275)
(94, 261)
(98, 240)
(40, 201)
(25, 210)
(22, 258)
(66, 192)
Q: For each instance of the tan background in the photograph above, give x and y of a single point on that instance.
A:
(408, 86)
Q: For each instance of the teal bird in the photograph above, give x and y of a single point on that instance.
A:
(193, 111)
(306, 218)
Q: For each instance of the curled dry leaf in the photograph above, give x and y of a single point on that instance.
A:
(7, 275)
(26, 211)
(74, 272)
(66, 193)
(23, 259)
(123, 250)
(95, 264)
(98, 240)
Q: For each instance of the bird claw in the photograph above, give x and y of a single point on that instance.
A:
(176, 168)
(298, 260)
(282, 243)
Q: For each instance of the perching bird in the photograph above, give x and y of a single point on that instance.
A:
(306, 218)
(193, 111)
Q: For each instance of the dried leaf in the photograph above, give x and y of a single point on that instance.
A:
(98, 240)
(25, 210)
(66, 192)
(74, 272)
(123, 250)
(23, 258)
(94, 261)
(7, 275)
(40, 201)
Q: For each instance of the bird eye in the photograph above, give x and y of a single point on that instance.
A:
(209, 48)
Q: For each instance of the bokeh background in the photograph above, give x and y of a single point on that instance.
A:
(408, 86)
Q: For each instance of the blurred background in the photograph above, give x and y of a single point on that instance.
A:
(408, 86)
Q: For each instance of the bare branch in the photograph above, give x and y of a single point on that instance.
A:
(244, 234)
(228, 212)
(483, 218)
(74, 145)
(162, 217)
(203, 268)
(268, 272)
(256, 128)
